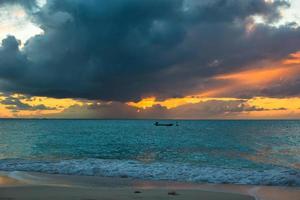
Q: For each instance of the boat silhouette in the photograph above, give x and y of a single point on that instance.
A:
(165, 124)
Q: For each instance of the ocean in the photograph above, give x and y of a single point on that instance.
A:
(254, 152)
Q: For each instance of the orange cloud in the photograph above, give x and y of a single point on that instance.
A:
(293, 59)
(168, 103)
(256, 76)
(174, 102)
(5, 113)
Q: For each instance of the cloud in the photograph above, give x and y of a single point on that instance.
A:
(15, 105)
(28, 4)
(284, 87)
(122, 50)
(202, 110)
(214, 109)
(112, 110)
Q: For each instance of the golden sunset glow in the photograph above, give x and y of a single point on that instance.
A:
(5, 113)
(260, 102)
(173, 102)
(256, 76)
(276, 103)
(59, 104)
(168, 103)
(293, 59)
(276, 107)
(52, 106)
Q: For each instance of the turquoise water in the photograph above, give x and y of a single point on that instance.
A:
(242, 152)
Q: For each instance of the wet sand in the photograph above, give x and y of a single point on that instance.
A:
(72, 193)
(30, 186)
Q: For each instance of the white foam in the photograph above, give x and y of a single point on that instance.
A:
(156, 171)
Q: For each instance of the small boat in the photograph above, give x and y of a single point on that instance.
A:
(160, 124)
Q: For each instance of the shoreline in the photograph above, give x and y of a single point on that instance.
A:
(26, 185)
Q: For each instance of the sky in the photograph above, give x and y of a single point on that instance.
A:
(166, 59)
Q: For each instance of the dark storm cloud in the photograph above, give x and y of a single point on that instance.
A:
(285, 87)
(122, 50)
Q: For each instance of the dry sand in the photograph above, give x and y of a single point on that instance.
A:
(35, 186)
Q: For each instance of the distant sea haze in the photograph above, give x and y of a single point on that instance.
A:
(239, 152)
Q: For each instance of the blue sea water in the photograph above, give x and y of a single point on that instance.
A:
(214, 151)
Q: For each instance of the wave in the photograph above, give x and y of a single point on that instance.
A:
(156, 171)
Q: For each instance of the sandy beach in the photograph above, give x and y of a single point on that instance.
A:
(28, 186)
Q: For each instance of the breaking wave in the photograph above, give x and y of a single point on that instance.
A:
(156, 171)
